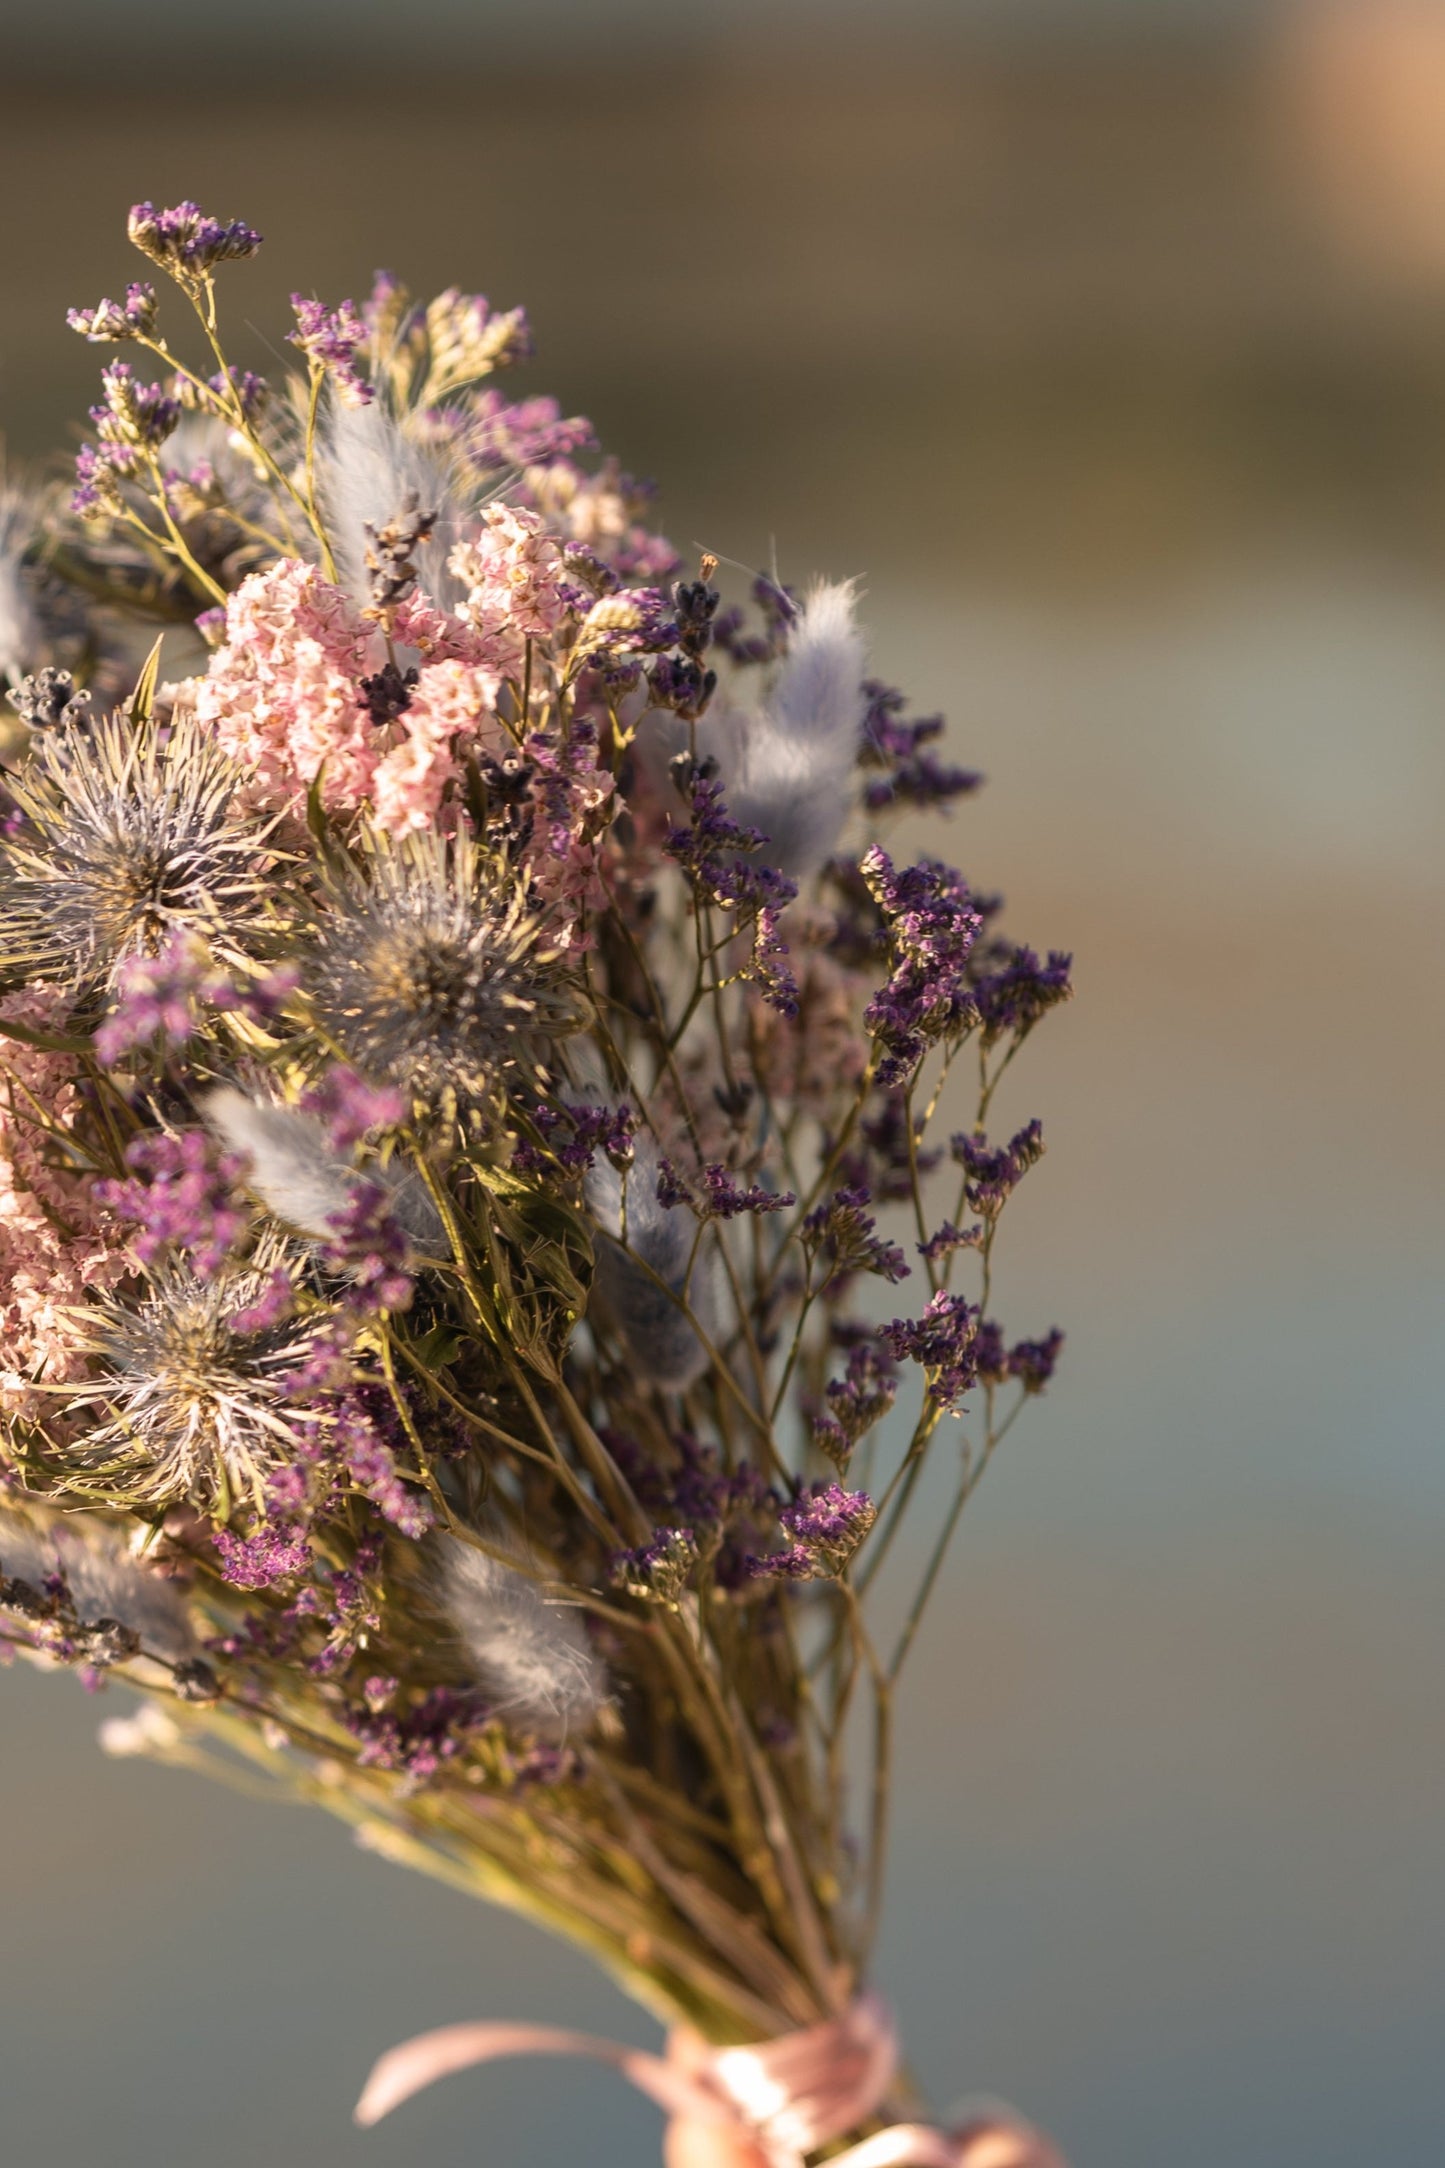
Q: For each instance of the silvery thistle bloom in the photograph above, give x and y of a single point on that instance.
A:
(532, 1656)
(644, 1242)
(128, 836)
(428, 971)
(197, 1405)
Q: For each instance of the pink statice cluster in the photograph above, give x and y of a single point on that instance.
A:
(286, 696)
(58, 1242)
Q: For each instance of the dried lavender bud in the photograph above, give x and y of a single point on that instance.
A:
(24, 1597)
(194, 1680)
(106, 1641)
(388, 694)
(49, 697)
(658, 1571)
(389, 561)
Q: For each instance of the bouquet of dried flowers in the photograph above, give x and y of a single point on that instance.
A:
(468, 1109)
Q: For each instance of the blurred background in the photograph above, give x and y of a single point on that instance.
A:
(1108, 344)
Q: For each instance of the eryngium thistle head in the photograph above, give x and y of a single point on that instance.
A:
(197, 1407)
(429, 972)
(129, 836)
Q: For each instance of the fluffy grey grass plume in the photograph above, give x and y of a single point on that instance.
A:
(105, 1581)
(788, 766)
(301, 1181)
(20, 629)
(368, 467)
(660, 1237)
(532, 1656)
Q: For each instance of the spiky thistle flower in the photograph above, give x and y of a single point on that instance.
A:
(194, 1388)
(429, 971)
(128, 837)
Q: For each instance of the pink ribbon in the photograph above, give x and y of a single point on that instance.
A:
(765, 2106)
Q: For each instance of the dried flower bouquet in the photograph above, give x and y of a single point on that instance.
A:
(469, 1094)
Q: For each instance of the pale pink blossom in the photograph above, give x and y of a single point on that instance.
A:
(55, 1241)
(453, 709)
(283, 693)
(514, 574)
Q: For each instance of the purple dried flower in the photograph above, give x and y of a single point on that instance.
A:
(272, 1554)
(993, 1176)
(131, 416)
(844, 1234)
(349, 1108)
(271, 1307)
(185, 242)
(1033, 1362)
(949, 1239)
(574, 1135)
(713, 1194)
(368, 1438)
(1021, 990)
(522, 433)
(183, 1194)
(854, 1402)
(881, 1160)
(329, 339)
(931, 927)
(711, 851)
(366, 1244)
(913, 773)
(133, 318)
(658, 1571)
(827, 1524)
(943, 1341)
(157, 997)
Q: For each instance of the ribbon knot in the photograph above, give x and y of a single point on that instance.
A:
(764, 2106)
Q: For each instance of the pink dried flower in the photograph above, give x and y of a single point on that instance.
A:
(56, 1238)
(282, 694)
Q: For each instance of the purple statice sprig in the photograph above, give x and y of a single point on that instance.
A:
(350, 1109)
(714, 1193)
(182, 1195)
(931, 926)
(188, 243)
(991, 1175)
(659, 1570)
(368, 1439)
(271, 1306)
(826, 1524)
(899, 749)
(842, 1233)
(712, 850)
(948, 1240)
(1018, 990)
(854, 1403)
(330, 340)
(132, 420)
(275, 1551)
(109, 322)
(159, 999)
(365, 1243)
(572, 1136)
(944, 1342)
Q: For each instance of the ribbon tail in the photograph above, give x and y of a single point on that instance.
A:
(418, 2063)
(902, 2145)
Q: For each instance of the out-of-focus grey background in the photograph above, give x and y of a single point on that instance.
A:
(1108, 344)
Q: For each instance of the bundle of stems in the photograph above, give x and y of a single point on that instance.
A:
(486, 1268)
